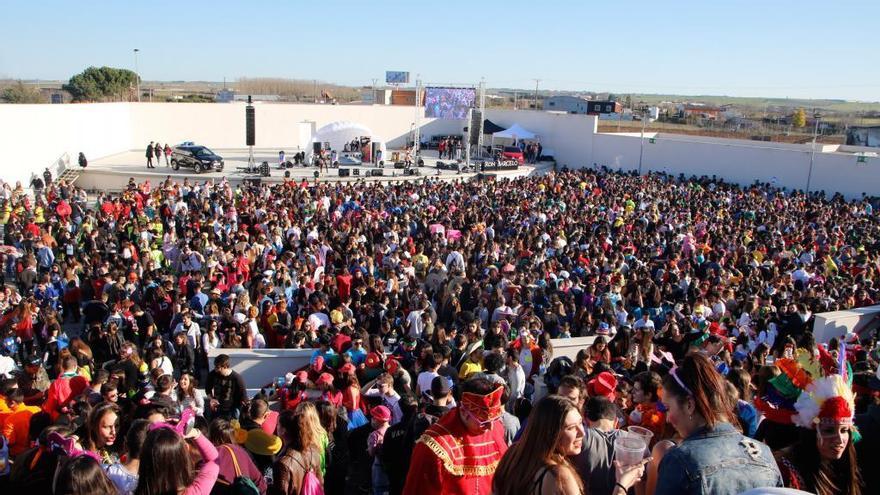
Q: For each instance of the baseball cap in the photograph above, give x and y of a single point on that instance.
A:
(439, 386)
(325, 378)
(381, 413)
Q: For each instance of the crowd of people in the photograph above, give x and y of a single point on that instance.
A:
(430, 310)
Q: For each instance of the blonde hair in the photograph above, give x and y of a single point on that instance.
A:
(302, 428)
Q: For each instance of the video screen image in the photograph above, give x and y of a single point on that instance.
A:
(449, 103)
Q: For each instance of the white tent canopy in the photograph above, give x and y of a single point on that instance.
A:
(339, 133)
(515, 132)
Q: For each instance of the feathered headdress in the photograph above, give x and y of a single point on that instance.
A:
(826, 400)
(796, 374)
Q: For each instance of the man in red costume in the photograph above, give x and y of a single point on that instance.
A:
(459, 453)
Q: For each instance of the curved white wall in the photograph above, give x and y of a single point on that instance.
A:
(33, 136)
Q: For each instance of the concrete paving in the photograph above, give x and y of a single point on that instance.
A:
(113, 172)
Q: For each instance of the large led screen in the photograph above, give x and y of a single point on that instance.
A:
(449, 103)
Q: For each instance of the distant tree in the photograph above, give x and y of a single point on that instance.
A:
(101, 84)
(628, 101)
(799, 119)
(22, 93)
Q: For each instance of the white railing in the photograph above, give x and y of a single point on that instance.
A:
(60, 165)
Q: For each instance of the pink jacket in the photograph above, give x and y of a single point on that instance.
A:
(204, 482)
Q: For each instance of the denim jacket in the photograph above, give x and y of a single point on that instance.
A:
(720, 461)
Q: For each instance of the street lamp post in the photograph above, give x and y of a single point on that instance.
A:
(642, 142)
(816, 117)
(137, 75)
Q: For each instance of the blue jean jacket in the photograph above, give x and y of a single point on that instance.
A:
(720, 461)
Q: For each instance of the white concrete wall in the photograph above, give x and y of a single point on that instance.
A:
(277, 125)
(261, 366)
(32, 137)
(833, 324)
(740, 161)
(569, 136)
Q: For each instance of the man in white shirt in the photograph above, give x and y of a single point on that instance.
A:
(191, 328)
(431, 364)
(644, 322)
(317, 318)
(414, 321)
(384, 388)
(455, 261)
(516, 377)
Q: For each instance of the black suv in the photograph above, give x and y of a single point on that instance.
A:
(198, 158)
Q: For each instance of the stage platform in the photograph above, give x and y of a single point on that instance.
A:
(112, 173)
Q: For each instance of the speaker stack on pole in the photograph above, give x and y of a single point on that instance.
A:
(475, 128)
(250, 132)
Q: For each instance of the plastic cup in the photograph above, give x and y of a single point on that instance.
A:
(644, 433)
(629, 449)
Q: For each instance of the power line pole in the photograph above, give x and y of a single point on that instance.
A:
(137, 75)
(536, 92)
(816, 117)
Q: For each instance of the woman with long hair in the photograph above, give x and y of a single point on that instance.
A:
(124, 474)
(102, 426)
(300, 430)
(714, 457)
(337, 430)
(222, 434)
(82, 475)
(539, 462)
(188, 396)
(823, 461)
(167, 467)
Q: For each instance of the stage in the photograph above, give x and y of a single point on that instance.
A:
(112, 173)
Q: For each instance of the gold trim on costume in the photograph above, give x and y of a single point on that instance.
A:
(450, 466)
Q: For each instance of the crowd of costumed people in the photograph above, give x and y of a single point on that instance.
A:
(430, 311)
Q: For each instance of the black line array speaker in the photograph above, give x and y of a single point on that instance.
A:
(250, 124)
(475, 127)
(344, 172)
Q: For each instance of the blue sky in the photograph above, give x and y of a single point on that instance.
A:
(778, 48)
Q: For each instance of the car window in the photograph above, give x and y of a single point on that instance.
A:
(511, 149)
(204, 152)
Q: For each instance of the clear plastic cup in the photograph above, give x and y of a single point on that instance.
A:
(644, 433)
(629, 449)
